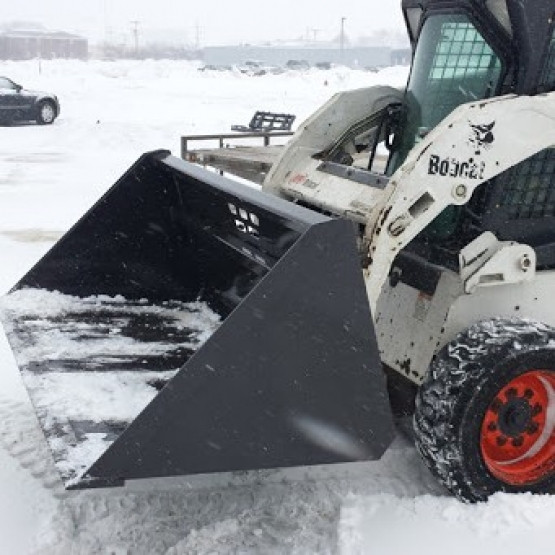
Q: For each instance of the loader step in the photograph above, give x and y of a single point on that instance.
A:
(267, 121)
(248, 162)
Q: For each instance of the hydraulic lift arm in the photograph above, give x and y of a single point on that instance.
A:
(477, 142)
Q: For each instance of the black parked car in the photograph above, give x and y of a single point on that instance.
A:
(19, 104)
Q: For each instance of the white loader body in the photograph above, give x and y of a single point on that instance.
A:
(495, 277)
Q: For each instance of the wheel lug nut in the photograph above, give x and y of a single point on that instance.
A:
(532, 428)
(501, 440)
(492, 426)
(511, 393)
(518, 441)
(528, 394)
(537, 409)
(496, 405)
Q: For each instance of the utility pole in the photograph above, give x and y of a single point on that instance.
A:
(197, 36)
(108, 36)
(105, 5)
(135, 32)
(342, 41)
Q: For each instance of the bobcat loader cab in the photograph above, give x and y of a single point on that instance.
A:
(456, 233)
(190, 324)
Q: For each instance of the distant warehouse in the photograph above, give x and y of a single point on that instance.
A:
(26, 45)
(357, 57)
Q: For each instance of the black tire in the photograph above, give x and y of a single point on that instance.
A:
(461, 389)
(46, 112)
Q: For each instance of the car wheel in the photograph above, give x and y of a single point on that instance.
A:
(485, 416)
(46, 112)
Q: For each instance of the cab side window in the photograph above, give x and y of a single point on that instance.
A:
(547, 79)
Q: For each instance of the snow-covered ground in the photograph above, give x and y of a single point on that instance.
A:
(111, 113)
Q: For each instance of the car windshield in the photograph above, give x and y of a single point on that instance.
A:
(7, 83)
(453, 64)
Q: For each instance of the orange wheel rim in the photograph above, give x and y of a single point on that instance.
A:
(517, 437)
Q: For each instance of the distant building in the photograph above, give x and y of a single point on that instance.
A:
(356, 57)
(28, 44)
(401, 57)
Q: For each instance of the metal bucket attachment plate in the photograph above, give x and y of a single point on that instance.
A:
(190, 324)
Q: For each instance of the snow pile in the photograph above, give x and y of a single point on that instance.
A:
(112, 112)
(506, 524)
(71, 328)
(91, 365)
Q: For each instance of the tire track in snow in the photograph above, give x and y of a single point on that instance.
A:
(294, 511)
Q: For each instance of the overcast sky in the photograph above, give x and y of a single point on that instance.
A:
(215, 21)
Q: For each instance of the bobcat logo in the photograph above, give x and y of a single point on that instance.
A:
(482, 137)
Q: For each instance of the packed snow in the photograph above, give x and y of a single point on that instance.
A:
(88, 368)
(49, 175)
(103, 321)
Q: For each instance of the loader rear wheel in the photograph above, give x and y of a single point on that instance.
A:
(485, 415)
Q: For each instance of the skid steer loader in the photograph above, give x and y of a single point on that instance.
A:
(189, 324)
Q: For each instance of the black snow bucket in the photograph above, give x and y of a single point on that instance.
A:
(190, 324)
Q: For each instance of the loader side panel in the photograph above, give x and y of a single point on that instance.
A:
(288, 380)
